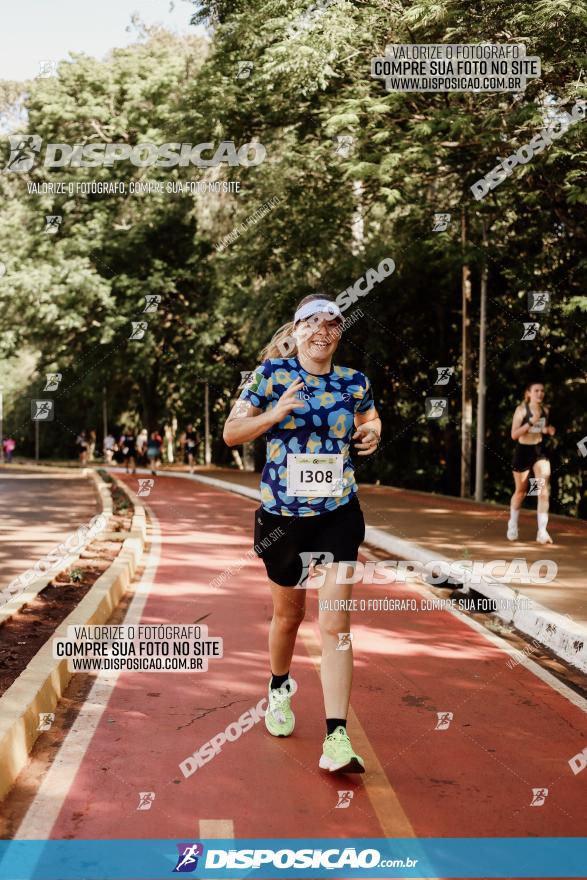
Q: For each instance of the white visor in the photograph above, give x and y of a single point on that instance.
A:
(315, 307)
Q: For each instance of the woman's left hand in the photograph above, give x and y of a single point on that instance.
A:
(368, 439)
(550, 430)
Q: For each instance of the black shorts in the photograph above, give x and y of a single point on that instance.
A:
(337, 535)
(525, 456)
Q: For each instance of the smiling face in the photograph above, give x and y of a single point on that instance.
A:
(535, 393)
(320, 344)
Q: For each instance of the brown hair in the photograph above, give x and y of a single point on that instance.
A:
(272, 349)
(528, 386)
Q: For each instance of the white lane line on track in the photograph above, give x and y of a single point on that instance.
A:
(45, 808)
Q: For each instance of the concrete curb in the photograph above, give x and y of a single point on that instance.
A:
(563, 636)
(40, 686)
(38, 584)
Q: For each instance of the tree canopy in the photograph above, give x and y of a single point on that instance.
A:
(353, 174)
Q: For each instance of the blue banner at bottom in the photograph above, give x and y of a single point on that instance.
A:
(270, 858)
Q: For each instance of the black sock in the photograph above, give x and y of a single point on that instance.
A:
(278, 681)
(333, 723)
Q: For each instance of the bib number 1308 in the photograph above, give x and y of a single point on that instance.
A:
(314, 475)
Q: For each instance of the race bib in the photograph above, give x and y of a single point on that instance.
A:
(314, 475)
(537, 427)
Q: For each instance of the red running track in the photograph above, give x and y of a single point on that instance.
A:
(511, 732)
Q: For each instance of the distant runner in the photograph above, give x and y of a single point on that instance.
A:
(9, 445)
(190, 442)
(529, 424)
(109, 448)
(81, 441)
(127, 445)
(154, 450)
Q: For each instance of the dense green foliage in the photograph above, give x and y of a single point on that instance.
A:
(71, 297)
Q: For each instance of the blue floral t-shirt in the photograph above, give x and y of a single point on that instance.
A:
(324, 425)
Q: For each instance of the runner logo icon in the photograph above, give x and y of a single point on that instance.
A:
(46, 719)
(530, 331)
(146, 799)
(344, 800)
(537, 484)
(344, 641)
(53, 380)
(152, 302)
(139, 328)
(436, 407)
(245, 68)
(539, 795)
(312, 568)
(42, 410)
(538, 301)
(23, 151)
(444, 719)
(444, 374)
(441, 222)
(145, 486)
(52, 223)
(187, 860)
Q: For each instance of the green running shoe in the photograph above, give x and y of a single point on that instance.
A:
(279, 718)
(338, 755)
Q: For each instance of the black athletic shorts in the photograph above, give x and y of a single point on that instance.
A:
(525, 456)
(338, 534)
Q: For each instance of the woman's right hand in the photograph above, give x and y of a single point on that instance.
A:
(288, 402)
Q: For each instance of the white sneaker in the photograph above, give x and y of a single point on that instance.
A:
(543, 537)
(279, 718)
(512, 532)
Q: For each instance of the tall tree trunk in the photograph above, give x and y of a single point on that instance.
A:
(358, 223)
(150, 399)
(481, 386)
(466, 399)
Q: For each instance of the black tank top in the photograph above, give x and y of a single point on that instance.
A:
(528, 415)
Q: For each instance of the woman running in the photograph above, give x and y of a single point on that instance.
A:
(530, 422)
(127, 445)
(154, 445)
(109, 448)
(190, 442)
(308, 409)
(81, 442)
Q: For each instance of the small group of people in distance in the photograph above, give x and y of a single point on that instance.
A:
(142, 449)
(85, 443)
